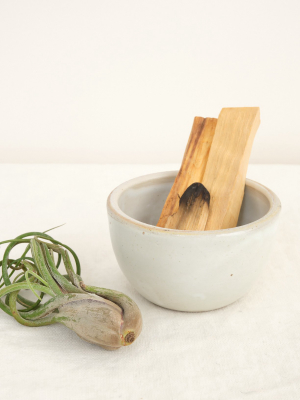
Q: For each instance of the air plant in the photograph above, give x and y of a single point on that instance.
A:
(101, 316)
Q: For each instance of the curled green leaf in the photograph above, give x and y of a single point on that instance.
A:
(100, 316)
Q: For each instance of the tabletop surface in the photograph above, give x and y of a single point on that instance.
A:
(248, 350)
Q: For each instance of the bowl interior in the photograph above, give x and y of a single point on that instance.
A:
(144, 201)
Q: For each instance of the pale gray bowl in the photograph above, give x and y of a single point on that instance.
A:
(189, 270)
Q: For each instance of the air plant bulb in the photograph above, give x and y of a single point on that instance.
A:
(100, 316)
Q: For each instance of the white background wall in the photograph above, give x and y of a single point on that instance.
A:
(121, 80)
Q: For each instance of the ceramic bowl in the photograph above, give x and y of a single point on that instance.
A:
(189, 270)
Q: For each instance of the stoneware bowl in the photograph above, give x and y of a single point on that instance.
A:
(189, 270)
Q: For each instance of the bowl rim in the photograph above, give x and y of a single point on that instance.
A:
(116, 213)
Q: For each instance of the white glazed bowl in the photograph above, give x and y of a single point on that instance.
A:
(189, 270)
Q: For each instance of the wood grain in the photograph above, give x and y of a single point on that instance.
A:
(227, 164)
(191, 171)
(191, 205)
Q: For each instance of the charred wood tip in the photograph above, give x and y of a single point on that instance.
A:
(192, 193)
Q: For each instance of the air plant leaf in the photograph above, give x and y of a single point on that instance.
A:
(30, 286)
(100, 316)
(29, 271)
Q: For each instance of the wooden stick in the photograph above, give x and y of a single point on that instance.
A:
(194, 201)
(227, 164)
(191, 171)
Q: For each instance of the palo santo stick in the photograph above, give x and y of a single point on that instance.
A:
(191, 171)
(227, 164)
(193, 202)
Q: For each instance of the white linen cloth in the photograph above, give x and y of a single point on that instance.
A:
(248, 350)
